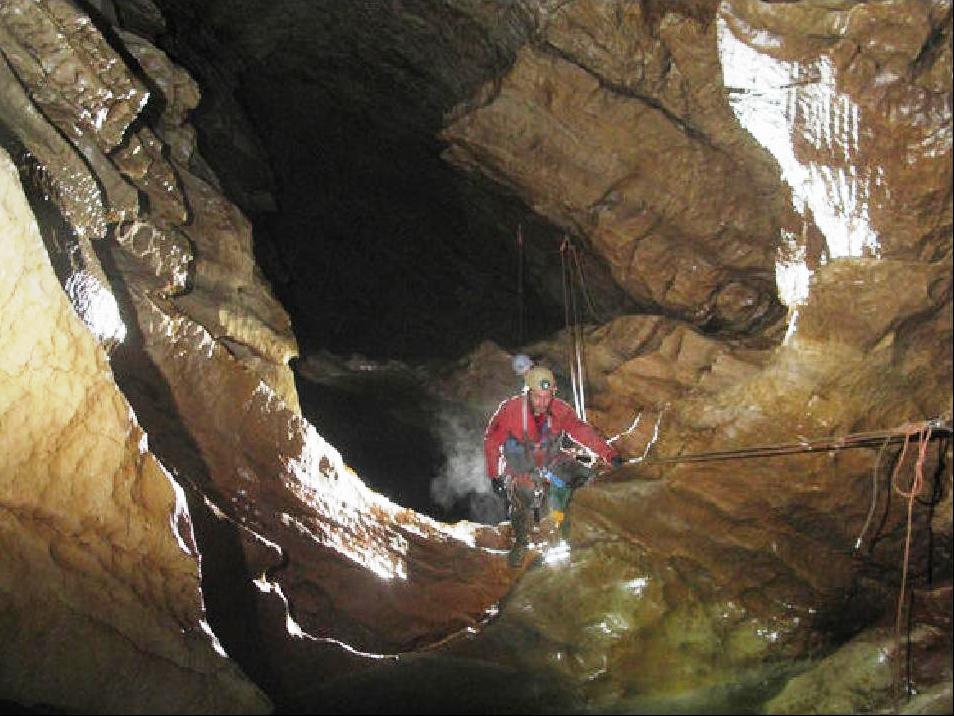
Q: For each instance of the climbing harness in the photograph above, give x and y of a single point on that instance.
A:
(541, 488)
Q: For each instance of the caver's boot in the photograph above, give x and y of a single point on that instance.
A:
(517, 553)
(557, 532)
(520, 521)
(521, 514)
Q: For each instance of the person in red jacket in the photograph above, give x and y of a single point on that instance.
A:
(523, 447)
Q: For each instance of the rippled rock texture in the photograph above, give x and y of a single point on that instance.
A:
(120, 564)
(603, 141)
(684, 577)
(100, 567)
(769, 182)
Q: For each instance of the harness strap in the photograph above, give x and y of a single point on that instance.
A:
(528, 451)
(545, 432)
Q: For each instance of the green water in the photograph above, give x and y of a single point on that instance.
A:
(437, 684)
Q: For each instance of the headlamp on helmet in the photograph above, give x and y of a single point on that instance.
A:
(540, 378)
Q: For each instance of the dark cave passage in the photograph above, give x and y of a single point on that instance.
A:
(176, 534)
(412, 447)
(320, 120)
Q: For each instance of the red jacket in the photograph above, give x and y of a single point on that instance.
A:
(515, 415)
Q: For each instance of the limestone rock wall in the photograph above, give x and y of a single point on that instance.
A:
(819, 152)
(100, 565)
(771, 182)
(73, 101)
(303, 567)
(633, 147)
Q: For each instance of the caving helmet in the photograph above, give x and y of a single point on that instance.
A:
(540, 378)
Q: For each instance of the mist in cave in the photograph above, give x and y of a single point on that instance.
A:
(391, 263)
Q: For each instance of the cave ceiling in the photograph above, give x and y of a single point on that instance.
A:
(321, 120)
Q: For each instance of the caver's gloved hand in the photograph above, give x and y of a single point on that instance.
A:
(617, 461)
(500, 486)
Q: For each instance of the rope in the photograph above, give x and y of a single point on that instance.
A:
(917, 486)
(926, 430)
(521, 308)
(597, 315)
(574, 282)
(874, 493)
(566, 318)
(853, 440)
(574, 330)
(578, 344)
(631, 428)
(655, 437)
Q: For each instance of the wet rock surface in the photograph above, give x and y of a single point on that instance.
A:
(100, 565)
(603, 148)
(862, 676)
(365, 198)
(299, 558)
(769, 183)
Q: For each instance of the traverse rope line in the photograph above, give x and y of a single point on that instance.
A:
(925, 430)
(826, 444)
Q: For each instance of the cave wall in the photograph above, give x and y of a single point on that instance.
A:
(621, 123)
(163, 320)
(812, 246)
(633, 146)
(343, 104)
(100, 563)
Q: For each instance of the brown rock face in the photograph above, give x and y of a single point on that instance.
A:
(770, 183)
(604, 147)
(687, 576)
(100, 565)
(300, 560)
(728, 565)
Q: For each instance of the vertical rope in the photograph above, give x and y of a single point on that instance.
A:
(577, 340)
(567, 278)
(917, 485)
(874, 492)
(521, 309)
(598, 316)
(566, 309)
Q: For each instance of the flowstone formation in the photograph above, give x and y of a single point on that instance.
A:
(100, 564)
